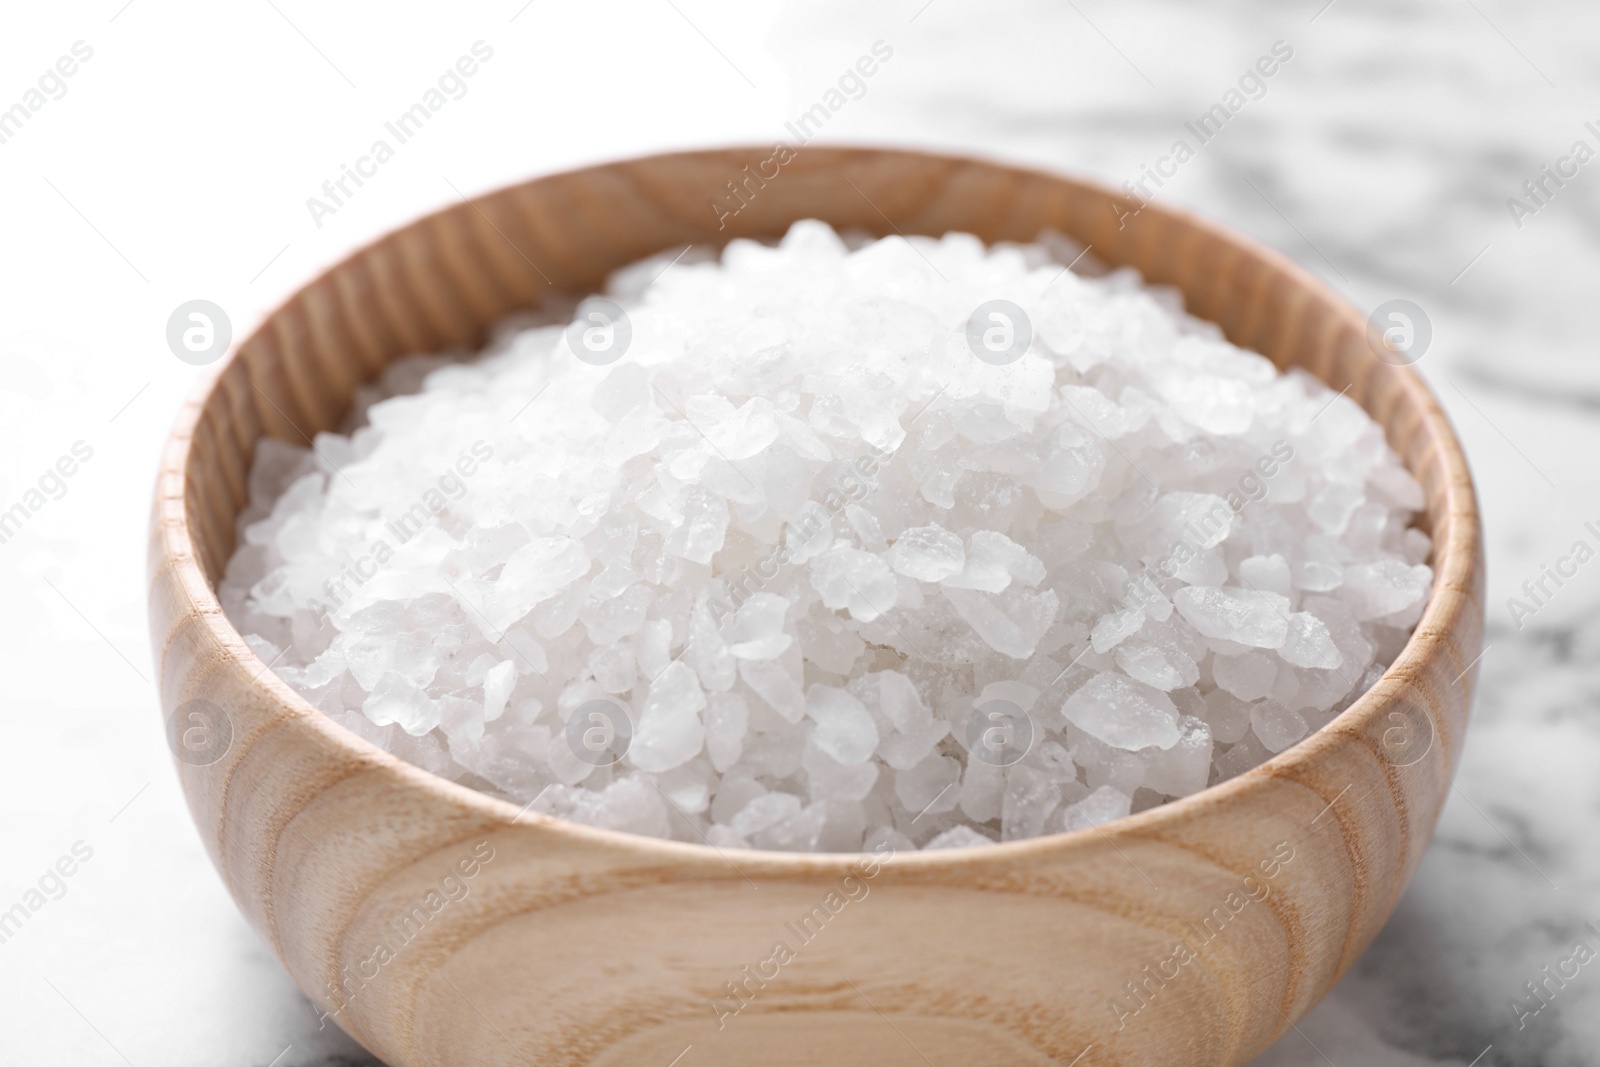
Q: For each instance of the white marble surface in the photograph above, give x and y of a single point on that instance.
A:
(177, 166)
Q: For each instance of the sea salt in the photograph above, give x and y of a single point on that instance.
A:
(800, 564)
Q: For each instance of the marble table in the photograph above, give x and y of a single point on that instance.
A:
(1388, 154)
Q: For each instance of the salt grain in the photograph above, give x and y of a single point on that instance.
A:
(1123, 712)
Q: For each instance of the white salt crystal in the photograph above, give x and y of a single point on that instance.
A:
(612, 619)
(756, 632)
(764, 812)
(1244, 616)
(613, 667)
(627, 804)
(535, 572)
(827, 778)
(957, 837)
(1309, 644)
(394, 700)
(1072, 465)
(1247, 675)
(1010, 623)
(1164, 667)
(1054, 760)
(724, 837)
(1332, 506)
(1286, 687)
(1276, 726)
(1319, 569)
(707, 649)
(982, 787)
(857, 581)
(699, 533)
(1205, 567)
(796, 832)
(736, 790)
(497, 685)
(727, 719)
(1269, 574)
(1394, 485)
(1242, 756)
(1227, 716)
(1116, 626)
(928, 553)
(928, 788)
(1029, 800)
(652, 646)
(1098, 808)
(1364, 535)
(1418, 546)
(808, 533)
(670, 730)
(845, 731)
(735, 433)
(830, 642)
(687, 788)
(1094, 409)
(992, 563)
(1124, 713)
(799, 531)
(1204, 518)
(1186, 766)
(867, 528)
(1384, 587)
(904, 749)
(775, 685)
(890, 837)
(900, 701)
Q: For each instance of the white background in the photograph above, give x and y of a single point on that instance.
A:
(178, 164)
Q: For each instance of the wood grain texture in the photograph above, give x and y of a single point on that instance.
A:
(576, 946)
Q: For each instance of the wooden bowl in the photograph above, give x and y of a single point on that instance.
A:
(440, 928)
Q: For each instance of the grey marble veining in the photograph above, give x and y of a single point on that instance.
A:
(1381, 156)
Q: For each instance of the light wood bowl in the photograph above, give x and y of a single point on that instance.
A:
(582, 946)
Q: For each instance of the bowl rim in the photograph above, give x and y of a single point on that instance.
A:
(1455, 564)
